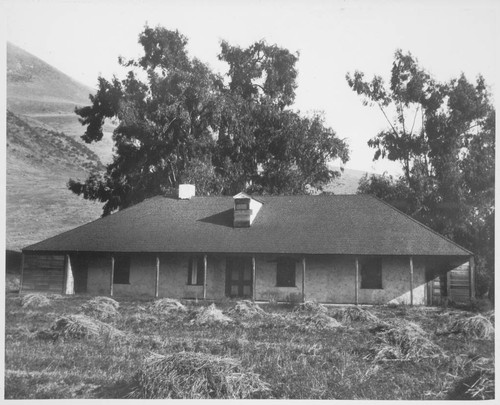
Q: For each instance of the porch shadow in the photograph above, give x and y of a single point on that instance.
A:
(224, 218)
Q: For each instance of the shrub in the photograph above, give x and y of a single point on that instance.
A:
(196, 376)
(480, 305)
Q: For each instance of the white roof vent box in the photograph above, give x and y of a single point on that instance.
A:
(245, 210)
(186, 191)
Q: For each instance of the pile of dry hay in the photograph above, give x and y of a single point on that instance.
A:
(311, 307)
(491, 316)
(474, 327)
(480, 385)
(403, 341)
(313, 316)
(81, 327)
(318, 321)
(209, 316)
(196, 376)
(101, 308)
(166, 306)
(484, 375)
(350, 314)
(246, 309)
(35, 301)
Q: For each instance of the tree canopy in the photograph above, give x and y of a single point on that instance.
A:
(443, 134)
(178, 121)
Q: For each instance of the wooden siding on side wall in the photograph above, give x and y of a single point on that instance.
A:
(459, 285)
(43, 273)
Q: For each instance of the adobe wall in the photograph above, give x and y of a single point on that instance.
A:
(265, 275)
(142, 277)
(329, 279)
(173, 277)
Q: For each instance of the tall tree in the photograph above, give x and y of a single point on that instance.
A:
(180, 122)
(444, 136)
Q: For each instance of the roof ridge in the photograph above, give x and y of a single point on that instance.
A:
(418, 222)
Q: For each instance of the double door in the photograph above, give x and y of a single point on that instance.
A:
(239, 282)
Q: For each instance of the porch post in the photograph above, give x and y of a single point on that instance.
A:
(22, 274)
(69, 281)
(254, 283)
(448, 285)
(411, 280)
(304, 279)
(356, 287)
(472, 278)
(112, 276)
(157, 281)
(204, 277)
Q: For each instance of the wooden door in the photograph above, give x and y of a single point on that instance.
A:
(80, 271)
(239, 277)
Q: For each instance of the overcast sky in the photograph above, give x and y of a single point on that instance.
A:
(84, 38)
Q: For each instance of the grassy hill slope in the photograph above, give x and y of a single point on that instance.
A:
(347, 183)
(48, 97)
(30, 78)
(39, 164)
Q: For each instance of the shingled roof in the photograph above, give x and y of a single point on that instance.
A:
(324, 224)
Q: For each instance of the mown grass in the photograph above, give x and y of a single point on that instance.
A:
(313, 363)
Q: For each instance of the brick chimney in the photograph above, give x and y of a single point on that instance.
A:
(245, 210)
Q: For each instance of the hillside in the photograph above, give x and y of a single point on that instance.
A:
(48, 97)
(39, 164)
(347, 183)
(44, 150)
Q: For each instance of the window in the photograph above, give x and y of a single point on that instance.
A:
(122, 270)
(371, 273)
(285, 272)
(196, 274)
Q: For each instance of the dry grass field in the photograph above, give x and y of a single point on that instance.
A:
(80, 347)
